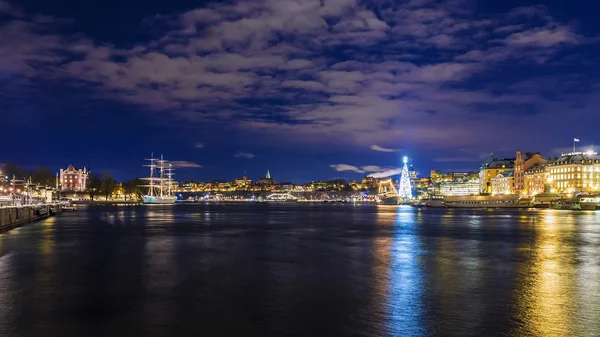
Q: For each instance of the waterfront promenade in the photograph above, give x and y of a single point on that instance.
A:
(14, 216)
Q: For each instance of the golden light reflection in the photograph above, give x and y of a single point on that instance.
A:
(546, 296)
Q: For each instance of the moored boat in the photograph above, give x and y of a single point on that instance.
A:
(484, 201)
(160, 182)
(589, 203)
(566, 204)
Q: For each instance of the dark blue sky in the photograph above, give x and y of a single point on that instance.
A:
(310, 89)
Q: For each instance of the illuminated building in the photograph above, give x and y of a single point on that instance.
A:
(575, 172)
(460, 188)
(72, 179)
(523, 164)
(436, 176)
(504, 182)
(369, 182)
(244, 181)
(534, 179)
(412, 173)
(267, 180)
(490, 169)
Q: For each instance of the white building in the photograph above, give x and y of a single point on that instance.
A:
(73, 180)
(469, 187)
(577, 172)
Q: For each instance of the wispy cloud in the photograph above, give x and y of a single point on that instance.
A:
(386, 173)
(246, 155)
(184, 164)
(346, 167)
(361, 169)
(382, 149)
(198, 145)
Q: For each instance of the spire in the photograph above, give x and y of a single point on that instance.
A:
(268, 175)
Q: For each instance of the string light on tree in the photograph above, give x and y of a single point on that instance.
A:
(404, 190)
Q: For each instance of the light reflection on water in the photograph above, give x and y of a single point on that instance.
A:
(405, 286)
(302, 270)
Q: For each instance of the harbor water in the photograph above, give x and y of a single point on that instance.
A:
(301, 270)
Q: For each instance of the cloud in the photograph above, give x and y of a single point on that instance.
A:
(244, 155)
(543, 37)
(346, 167)
(362, 169)
(198, 145)
(184, 164)
(326, 72)
(386, 173)
(382, 149)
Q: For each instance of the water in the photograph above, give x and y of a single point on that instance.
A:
(302, 270)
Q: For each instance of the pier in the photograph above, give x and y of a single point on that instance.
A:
(15, 216)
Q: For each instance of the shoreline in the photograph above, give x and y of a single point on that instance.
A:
(16, 216)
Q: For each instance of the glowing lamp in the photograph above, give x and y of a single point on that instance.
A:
(405, 159)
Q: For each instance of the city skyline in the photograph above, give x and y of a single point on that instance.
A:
(307, 90)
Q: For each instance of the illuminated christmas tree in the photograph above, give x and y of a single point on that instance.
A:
(404, 191)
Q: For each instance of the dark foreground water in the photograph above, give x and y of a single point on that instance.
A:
(303, 270)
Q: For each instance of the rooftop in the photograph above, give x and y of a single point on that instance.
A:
(577, 158)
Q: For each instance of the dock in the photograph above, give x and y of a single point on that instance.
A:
(15, 216)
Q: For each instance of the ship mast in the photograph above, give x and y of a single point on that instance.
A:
(151, 174)
(162, 173)
(169, 179)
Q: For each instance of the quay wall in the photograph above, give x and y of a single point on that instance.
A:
(11, 217)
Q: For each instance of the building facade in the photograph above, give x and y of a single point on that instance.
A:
(535, 179)
(72, 179)
(490, 169)
(524, 162)
(504, 183)
(576, 172)
(460, 188)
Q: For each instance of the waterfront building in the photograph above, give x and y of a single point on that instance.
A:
(436, 176)
(535, 179)
(522, 163)
(490, 169)
(460, 188)
(267, 180)
(72, 179)
(576, 172)
(370, 182)
(412, 173)
(504, 182)
(242, 182)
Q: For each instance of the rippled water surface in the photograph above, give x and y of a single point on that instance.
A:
(302, 270)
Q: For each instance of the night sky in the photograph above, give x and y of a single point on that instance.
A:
(309, 89)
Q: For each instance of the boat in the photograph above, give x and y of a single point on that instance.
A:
(589, 203)
(435, 201)
(394, 200)
(67, 205)
(566, 204)
(485, 201)
(160, 182)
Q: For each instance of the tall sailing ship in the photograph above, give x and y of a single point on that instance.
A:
(160, 183)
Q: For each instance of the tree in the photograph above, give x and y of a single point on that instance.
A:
(43, 176)
(108, 184)
(94, 185)
(133, 186)
(13, 170)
